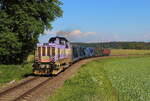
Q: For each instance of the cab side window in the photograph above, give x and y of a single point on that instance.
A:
(58, 52)
(43, 51)
(39, 51)
(48, 51)
(53, 51)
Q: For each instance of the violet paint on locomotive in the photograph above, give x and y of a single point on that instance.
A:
(52, 57)
(56, 46)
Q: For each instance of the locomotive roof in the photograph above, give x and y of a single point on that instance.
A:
(52, 39)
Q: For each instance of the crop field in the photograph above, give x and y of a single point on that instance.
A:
(131, 78)
(109, 79)
(9, 73)
(129, 52)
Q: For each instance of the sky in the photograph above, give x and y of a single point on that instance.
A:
(102, 21)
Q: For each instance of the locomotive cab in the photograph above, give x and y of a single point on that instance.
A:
(60, 41)
(52, 57)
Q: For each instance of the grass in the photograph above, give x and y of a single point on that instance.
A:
(110, 79)
(30, 58)
(129, 51)
(14, 72)
(9, 73)
(131, 77)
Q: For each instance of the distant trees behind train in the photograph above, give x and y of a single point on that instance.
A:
(119, 45)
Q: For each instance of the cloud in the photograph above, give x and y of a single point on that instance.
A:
(75, 35)
(76, 32)
(48, 32)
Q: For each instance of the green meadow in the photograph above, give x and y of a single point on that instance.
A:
(109, 79)
(10, 73)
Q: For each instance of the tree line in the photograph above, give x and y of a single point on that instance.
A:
(118, 45)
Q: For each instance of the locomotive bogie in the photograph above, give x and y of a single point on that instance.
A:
(42, 69)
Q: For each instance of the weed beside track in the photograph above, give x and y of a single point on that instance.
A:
(15, 73)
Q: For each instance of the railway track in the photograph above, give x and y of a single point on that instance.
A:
(23, 90)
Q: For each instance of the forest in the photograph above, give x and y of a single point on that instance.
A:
(119, 45)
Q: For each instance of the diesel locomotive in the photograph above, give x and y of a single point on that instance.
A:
(58, 54)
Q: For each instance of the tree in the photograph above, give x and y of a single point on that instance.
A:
(21, 22)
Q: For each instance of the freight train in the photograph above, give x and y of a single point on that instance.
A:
(53, 57)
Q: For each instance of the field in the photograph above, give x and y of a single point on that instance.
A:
(109, 79)
(129, 52)
(10, 73)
